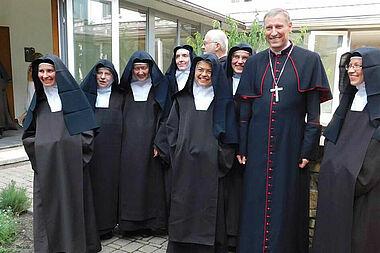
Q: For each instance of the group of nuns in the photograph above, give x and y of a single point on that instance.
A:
(149, 154)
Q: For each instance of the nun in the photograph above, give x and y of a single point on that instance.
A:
(236, 59)
(142, 208)
(101, 87)
(179, 69)
(349, 180)
(58, 136)
(6, 121)
(202, 134)
(176, 76)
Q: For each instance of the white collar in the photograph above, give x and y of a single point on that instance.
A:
(181, 77)
(53, 98)
(103, 96)
(360, 99)
(279, 52)
(203, 96)
(235, 82)
(140, 89)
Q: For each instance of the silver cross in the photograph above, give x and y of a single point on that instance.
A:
(276, 90)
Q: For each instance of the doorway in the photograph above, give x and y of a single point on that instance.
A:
(5, 58)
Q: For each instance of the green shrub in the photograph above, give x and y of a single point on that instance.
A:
(14, 198)
(8, 227)
(8, 250)
(255, 36)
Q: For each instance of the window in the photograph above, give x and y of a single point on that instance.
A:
(186, 30)
(166, 40)
(115, 29)
(132, 33)
(330, 45)
(92, 35)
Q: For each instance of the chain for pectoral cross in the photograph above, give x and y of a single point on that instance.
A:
(276, 88)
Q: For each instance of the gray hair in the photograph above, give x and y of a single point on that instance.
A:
(276, 11)
(220, 37)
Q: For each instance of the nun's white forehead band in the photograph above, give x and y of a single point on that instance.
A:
(140, 63)
(45, 63)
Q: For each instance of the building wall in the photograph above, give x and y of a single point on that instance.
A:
(30, 25)
(310, 13)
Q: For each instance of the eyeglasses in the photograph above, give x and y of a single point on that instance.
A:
(354, 67)
(208, 42)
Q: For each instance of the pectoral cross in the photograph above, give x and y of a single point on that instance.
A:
(276, 90)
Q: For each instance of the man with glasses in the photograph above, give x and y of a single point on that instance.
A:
(216, 42)
(349, 180)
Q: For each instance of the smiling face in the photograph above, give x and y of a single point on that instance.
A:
(355, 71)
(141, 71)
(103, 77)
(203, 73)
(46, 74)
(182, 58)
(238, 60)
(277, 31)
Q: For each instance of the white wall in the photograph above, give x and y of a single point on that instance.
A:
(309, 13)
(29, 25)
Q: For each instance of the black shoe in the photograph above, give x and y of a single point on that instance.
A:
(106, 236)
(144, 233)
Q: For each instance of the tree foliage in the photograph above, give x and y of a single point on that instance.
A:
(255, 36)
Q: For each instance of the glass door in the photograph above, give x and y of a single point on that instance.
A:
(330, 46)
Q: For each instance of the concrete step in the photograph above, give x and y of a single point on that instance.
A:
(12, 155)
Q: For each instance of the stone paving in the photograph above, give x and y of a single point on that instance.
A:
(15, 166)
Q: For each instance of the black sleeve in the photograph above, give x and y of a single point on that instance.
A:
(226, 157)
(28, 140)
(369, 175)
(245, 117)
(87, 146)
(172, 125)
(161, 140)
(313, 128)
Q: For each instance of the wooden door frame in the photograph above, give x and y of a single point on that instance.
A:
(55, 28)
(6, 59)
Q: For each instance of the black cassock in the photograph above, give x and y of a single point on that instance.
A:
(142, 190)
(105, 163)
(274, 136)
(200, 160)
(59, 146)
(348, 215)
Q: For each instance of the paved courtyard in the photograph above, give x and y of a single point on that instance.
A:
(15, 166)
